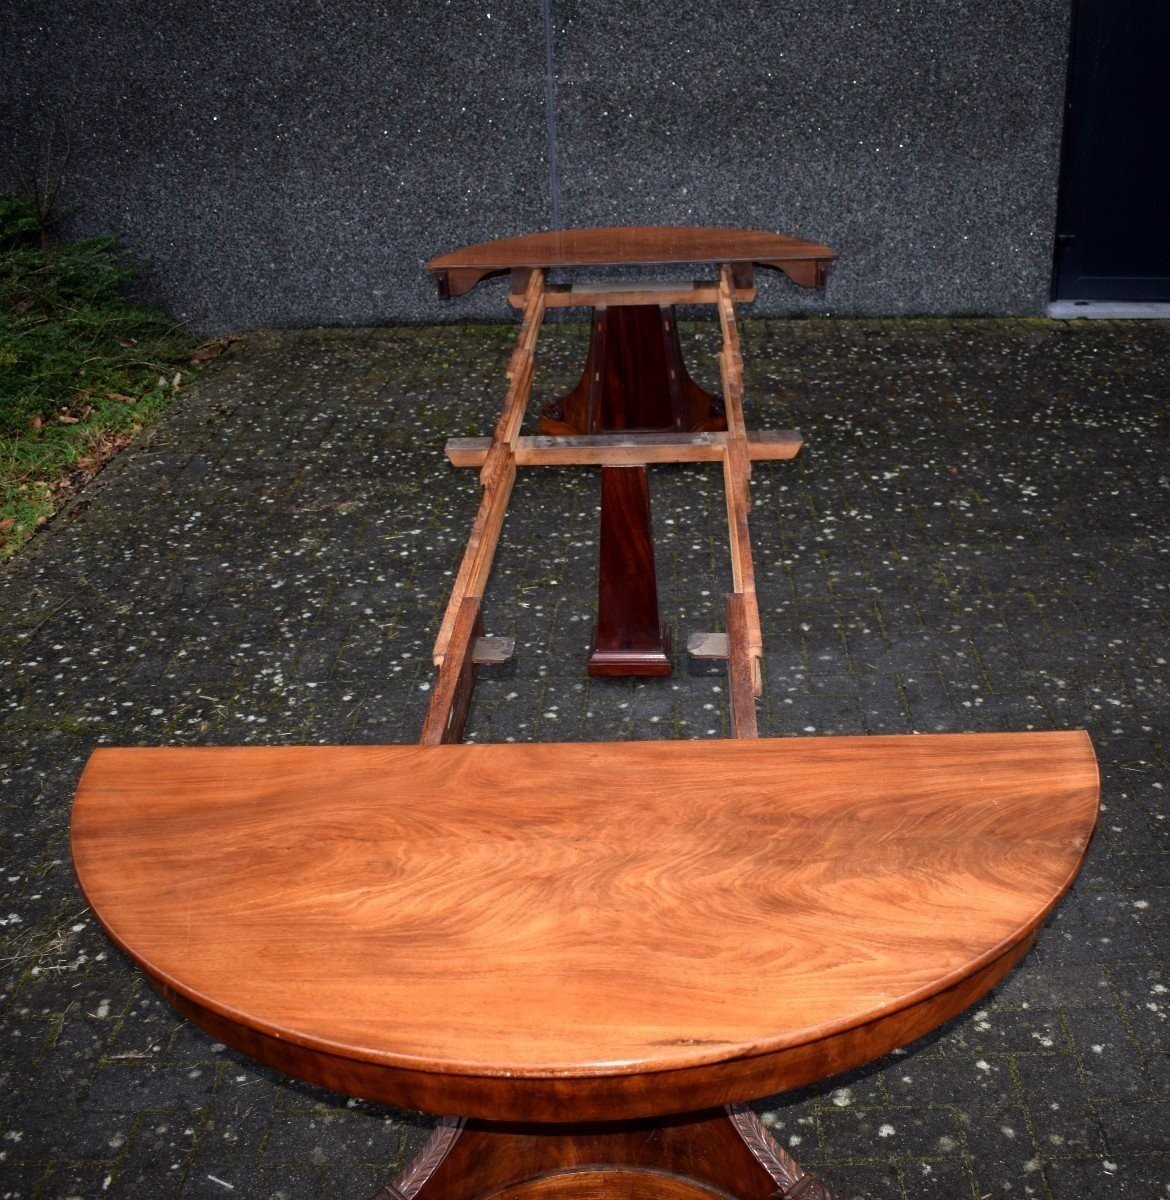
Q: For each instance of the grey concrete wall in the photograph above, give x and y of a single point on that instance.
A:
(286, 163)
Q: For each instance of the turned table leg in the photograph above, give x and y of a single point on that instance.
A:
(710, 1155)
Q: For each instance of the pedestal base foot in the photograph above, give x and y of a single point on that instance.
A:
(713, 1155)
(628, 638)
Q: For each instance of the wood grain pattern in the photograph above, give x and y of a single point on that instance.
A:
(484, 930)
(451, 696)
(737, 468)
(498, 473)
(634, 379)
(608, 295)
(741, 683)
(460, 270)
(626, 449)
(628, 638)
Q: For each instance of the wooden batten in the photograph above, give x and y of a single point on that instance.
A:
(741, 669)
(736, 474)
(627, 292)
(498, 472)
(632, 449)
(451, 696)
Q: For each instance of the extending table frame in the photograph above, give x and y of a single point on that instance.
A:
(635, 405)
(593, 953)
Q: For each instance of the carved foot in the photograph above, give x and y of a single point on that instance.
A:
(711, 1155)
(792, 1180)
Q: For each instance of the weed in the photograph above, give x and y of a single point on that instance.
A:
(82, 368)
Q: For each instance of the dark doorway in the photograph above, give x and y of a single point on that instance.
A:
(1113, 222)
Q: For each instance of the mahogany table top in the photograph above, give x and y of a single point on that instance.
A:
(647, 245)
(467, 919)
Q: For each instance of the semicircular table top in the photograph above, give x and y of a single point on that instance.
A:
(485, 929)
(642, 245)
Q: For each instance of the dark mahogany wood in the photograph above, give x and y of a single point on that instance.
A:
(634, 380)
(629, 638)
(805, 263)
(706, 1155)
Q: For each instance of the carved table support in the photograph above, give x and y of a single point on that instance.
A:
(709, 1155)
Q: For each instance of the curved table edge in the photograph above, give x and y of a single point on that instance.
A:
(552, 1099)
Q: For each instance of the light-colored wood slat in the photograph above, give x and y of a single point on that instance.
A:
(498, 473)
(707, 645)
(582, 295)
(584, 914)
(741, 668)
(731, 357)
(736, 474)
(456, 679)
(522, 364)
(479, 552)
(743, 574)
(613, 449)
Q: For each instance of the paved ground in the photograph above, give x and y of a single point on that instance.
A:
(975, 538)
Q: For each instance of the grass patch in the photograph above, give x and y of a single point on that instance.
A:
(82, 369)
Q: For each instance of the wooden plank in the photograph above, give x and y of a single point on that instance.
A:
(741, 668)
(629, 638)
(625, 449)
(491, 651)
(476, 564)
(522, 364)
(774, 444)
(707, 645)
(731, 358)
(451, 696)
(581, 295)
(498, 472)
(736, 473)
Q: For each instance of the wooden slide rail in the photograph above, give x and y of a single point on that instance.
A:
(460, 643)
(462, 623)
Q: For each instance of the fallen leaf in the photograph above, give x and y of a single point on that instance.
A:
(35, 422)
(211, 350)
(66, 419)
(122, 396)
(6, 524)
(177, 379)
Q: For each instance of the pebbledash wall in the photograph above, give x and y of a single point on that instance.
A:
(286, 164)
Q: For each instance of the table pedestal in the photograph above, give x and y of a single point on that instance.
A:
(709, 1155)
(634, 381)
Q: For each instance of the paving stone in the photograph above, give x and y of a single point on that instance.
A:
(1107, 1177)
(1106, 1053)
